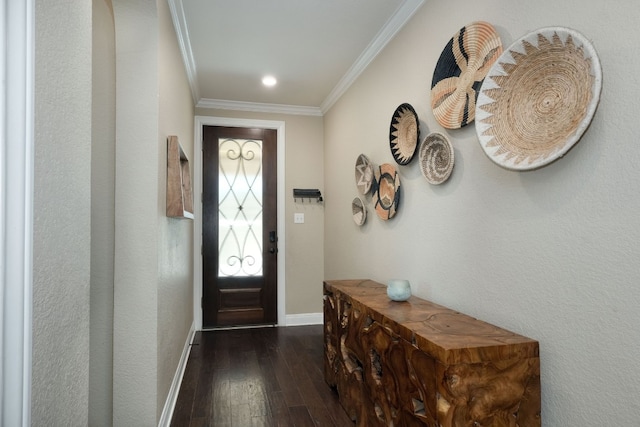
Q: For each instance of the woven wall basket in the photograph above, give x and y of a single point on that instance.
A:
(463, 64)
(436, 158)
(364, 174)
(386, 191)
(404, 133)
(358, 211)
(538, 98)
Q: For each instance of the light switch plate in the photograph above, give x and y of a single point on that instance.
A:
(298, 218)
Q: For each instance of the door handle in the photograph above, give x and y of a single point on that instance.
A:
(273, 238)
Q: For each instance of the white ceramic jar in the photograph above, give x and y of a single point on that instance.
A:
(398, 289)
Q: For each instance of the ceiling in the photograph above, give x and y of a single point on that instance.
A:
(314, 48)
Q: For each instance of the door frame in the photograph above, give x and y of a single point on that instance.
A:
(279, 126)
(17, 142)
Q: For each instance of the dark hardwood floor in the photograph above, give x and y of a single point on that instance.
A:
(258, 377)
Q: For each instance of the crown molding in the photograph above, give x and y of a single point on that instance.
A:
(258, 107)
(180, 25)
(384, 36)
(390, 29)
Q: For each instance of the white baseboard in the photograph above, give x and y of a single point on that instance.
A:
(304, 319)
(172, 398)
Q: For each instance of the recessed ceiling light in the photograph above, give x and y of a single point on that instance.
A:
(269, 81)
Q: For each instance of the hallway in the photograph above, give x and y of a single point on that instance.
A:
(258, 377)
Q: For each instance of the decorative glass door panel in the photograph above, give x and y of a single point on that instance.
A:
(240, 208)
(239, 226)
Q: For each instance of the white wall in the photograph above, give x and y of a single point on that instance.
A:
(153, 254)
(62, 213)
(102, 242)
(175, 236)
(102, 214)
(135, 348)
(551, 254)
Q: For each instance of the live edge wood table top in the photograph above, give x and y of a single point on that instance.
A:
(419, 363)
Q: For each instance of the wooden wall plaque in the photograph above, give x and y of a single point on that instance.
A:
(179, 191)
(416, 363)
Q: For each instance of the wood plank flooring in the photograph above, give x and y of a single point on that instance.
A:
(258, 377)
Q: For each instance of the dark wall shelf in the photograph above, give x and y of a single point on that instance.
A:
(307, 193)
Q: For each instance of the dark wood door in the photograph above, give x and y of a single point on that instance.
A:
(239, 226)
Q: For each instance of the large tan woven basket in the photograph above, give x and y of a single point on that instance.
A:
(538, 98)
(463, 64)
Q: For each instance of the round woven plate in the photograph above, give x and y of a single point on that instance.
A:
(462, 66)
(364, 174)
(404, 133)
(538, 98)
(386, 194)
(436, 158)
(358, 211)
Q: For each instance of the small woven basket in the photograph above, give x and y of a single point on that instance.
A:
(404, 133)
(386, 193)
(436, 158)
(358, 211)
(363, 174)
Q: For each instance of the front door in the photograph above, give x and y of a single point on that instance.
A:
(239, 226)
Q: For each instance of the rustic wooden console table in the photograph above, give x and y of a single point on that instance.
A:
(416, 363)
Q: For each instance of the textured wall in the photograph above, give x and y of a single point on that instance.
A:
(136, 228)
(551, 254)
(304, 242)
(175, 236)
(62, 209)
(102, 214)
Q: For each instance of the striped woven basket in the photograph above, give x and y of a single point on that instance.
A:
(462, 66)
